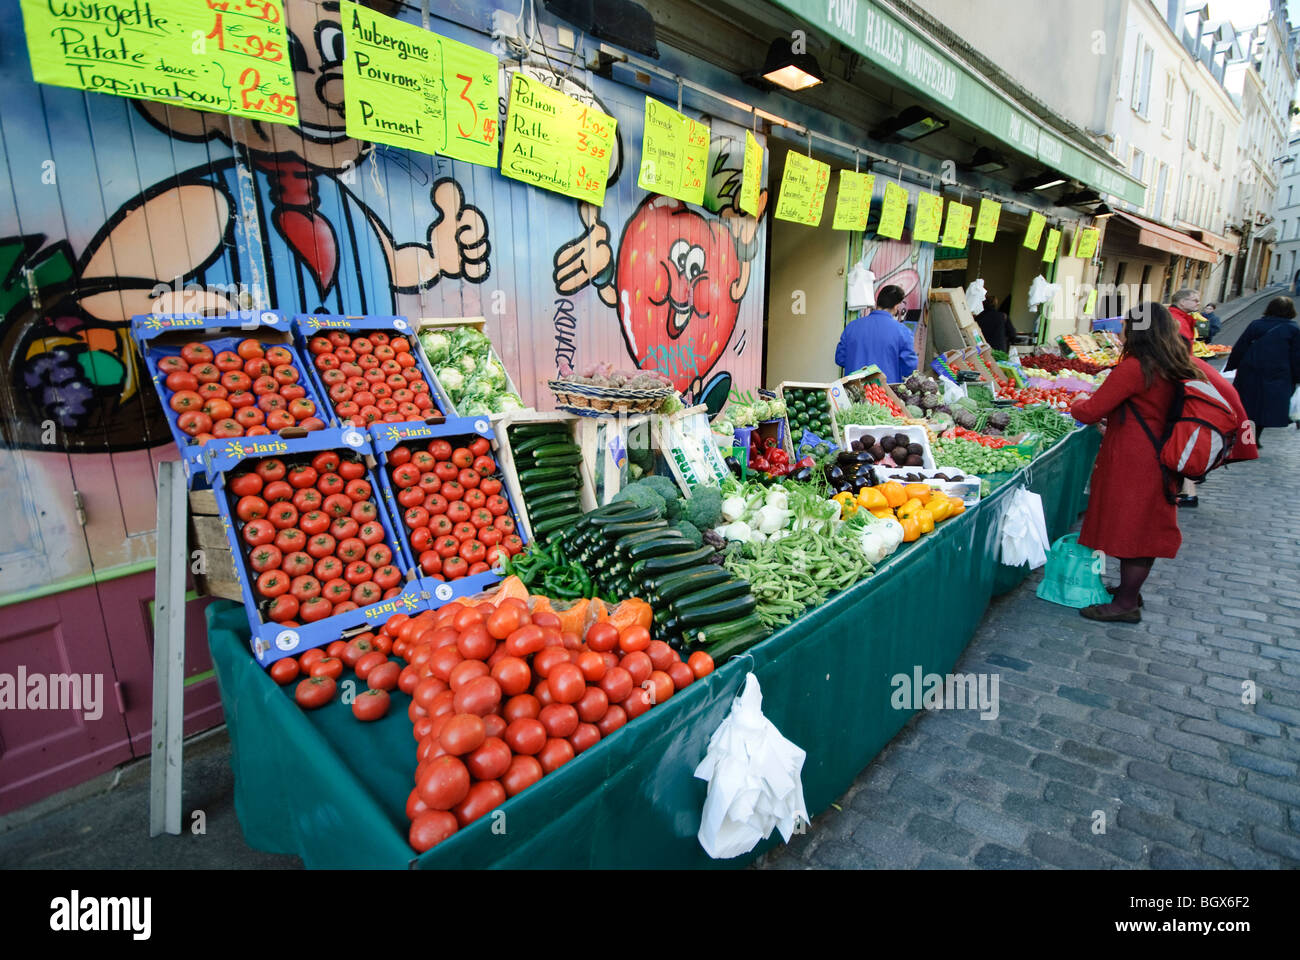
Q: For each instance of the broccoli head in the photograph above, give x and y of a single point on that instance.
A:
(642, 496)
(674, 509)
(662, 486)
(689, 531)
(704, 508)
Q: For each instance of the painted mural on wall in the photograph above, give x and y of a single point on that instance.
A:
(117, 207)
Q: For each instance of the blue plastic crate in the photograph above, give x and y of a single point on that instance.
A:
(148, 329)
(386, 436)
(308, 325)
(270, 641)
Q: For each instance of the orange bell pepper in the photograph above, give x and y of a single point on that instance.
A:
(911, 529)
(894, 493)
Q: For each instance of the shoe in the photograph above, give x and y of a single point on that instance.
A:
(1186, 501)
(1114, 590)
(1120, 616)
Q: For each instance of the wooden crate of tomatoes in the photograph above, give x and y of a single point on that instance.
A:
(452, 511)
(316, 553)
(224, 377)
(371, 369)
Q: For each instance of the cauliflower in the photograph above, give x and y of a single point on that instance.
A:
(452, 380)
(505, 402)
(437, 346)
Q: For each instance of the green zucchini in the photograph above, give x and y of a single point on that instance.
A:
(560, 449)
(540, 426)
(627, 513)
(614, 531)
(667, 547)
(626, 543)
(569, 460)
(548, 527)
(724, 611)
(726, 641)
(525, 447)
(717, 593)
(547, 486)
(562, 497)
(658, 566)
(667, 588)
(553, 511)
(538, 474)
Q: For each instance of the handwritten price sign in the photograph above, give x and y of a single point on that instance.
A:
(956, 231)
(1035, 231)
(803, 190)
(1086, 245)
(893, 212)
(224, 56)
(555, 142)
(853, 200)
(674, 154)
(929, 214)
(1053, 243)
(752, 177)
(986, 224)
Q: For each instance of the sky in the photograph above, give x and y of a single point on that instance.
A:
(1245, 12)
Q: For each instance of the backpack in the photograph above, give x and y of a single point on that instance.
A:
(1200, 432)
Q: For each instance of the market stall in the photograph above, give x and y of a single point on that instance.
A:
(333, 791)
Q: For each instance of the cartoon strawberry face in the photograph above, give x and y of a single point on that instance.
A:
(676, 270)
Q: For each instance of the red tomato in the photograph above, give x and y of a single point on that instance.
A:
(522, 773)
(634, 638)
(490, 760)
(284, 671)
(384, 676)
(525, 705)
(591, 665)
(617, 684)
(614, 718)
(661, 686)
(526, 735)
(265, 557)
(445, 783)
(701, 664)
(585, 737)
(430, 829)
(481, 695)
(273, 583)
(371, 705)
(555, 754)
(681, 674)
(283, 608)
(559, 719)
(258, 532)
(638, 666)
(463, 733)
(524, 641)
(591, 708)
(315, 691)
(196, 353)
(483, 797)
(484, 466)
(327, 666)
(270, 469)
(317, 608)
(602, 636)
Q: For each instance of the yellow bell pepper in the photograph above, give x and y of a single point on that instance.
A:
(910, 507)
(940, 507)
(883, 513)
(922, 491)
(848, 505)
(958, 506)
(872, 499)
(926, 519)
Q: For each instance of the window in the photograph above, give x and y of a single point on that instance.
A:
(1143, 59)
(1171, 87)
(1162, 181)
(1138, 164)
(1288, 195)
(1218, 145)
(1193, 118)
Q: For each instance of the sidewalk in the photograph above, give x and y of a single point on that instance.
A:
(1180, 736)
(1238, 314)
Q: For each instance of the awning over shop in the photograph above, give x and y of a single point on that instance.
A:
(928, 69)
(1215, 242)
(1266, 235)
(1165, 239)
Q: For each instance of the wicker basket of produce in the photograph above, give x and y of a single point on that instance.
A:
(603, 391)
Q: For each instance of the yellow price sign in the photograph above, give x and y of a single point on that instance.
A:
(752, 176)
(390, 70)
(469, 79)
(853, 200)
(929, 215)
(986, 223)
(956, 230)
(1091, 303)
(222, 57)
(803, 189)
(674, 153)
(1050, 248)
(1035, 232)
(893, 212)
(1087, 243)
(555, 142)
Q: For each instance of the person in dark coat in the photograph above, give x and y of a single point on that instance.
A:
(996, 326)
(1128, 515)
(1267, 360)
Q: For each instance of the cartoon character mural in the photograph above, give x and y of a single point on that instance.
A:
(678, 280)
(274, 223)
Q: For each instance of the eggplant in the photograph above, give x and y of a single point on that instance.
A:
(734, 466)
(802, 475)
(848, 458)
(835, 474)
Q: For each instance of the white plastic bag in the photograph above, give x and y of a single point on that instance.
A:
(1295, 404)
(862, 288)
(754, 780)
(1023, 534)
(975, 296)
(1040, 291)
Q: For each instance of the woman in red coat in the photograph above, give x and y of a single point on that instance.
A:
(1128, 515)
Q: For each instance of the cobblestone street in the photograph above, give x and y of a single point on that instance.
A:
(1145, 723)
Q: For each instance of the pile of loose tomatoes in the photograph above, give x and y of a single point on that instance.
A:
(371, 378)
(456, 513)
(500, 697)
(252, 390)
(313, 537)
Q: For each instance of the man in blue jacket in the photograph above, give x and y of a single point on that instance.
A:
(879, 338)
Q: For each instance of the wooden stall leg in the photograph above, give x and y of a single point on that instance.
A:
(168, 653)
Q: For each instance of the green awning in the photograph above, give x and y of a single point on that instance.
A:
(930, 71)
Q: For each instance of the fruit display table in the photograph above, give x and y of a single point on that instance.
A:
(333, 791)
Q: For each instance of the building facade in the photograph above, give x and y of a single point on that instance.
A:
(1286, 251)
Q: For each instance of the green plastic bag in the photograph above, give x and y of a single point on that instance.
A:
(1073, 576)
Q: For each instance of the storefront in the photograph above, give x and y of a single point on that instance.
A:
(1143, 260)
(119, 207)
